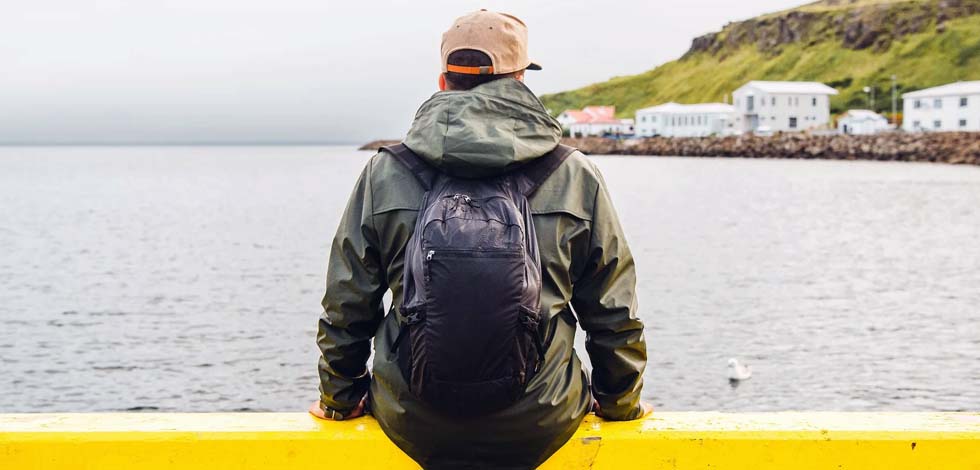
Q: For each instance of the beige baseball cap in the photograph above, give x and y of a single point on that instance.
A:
(501, 36)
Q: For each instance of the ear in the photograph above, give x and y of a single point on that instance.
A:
(442, 82)
(520, 75)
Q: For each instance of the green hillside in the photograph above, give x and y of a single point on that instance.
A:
(847, 44)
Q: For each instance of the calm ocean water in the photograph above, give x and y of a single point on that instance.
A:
(189, 278)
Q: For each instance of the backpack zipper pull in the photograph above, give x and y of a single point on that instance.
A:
(429, 255)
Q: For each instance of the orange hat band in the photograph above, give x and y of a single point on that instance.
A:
(482, 70)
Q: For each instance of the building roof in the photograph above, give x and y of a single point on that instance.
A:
(794, 88)
(863, 114)
(956, 88)
(577, 115)
(600, 112)
(593, 114)
(700, 108)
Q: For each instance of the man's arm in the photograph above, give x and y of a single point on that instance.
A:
(604, 299)
(352, 305)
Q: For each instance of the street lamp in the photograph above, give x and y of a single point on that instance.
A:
(894, 102)
(871, 96)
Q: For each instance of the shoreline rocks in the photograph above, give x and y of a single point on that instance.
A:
(377, 144)
(942, 147)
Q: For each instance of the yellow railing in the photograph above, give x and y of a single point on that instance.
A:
(210, 441)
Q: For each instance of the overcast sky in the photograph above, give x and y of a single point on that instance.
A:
(295, 70)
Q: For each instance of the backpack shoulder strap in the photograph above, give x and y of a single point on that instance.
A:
(422, 171)
(531, 176)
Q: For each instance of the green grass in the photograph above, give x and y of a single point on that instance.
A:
(919, 60)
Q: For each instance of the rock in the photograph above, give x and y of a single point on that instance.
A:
(946, 147)
(377, 144)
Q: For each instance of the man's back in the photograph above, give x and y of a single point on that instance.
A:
(586, 266)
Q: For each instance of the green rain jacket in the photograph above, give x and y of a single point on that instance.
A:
(588, 276)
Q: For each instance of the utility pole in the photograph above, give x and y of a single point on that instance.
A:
(894, 102)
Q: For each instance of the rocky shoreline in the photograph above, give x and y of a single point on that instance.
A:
(942, 147)
(377, 144)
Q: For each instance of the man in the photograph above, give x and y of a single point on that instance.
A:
(483, 123)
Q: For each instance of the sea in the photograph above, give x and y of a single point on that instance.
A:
(189, 278)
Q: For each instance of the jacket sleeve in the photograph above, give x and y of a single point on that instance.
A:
(352, 304)
(604, 299)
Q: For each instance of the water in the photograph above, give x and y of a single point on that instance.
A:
(189, 278)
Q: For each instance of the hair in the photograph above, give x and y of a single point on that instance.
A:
(470, 58)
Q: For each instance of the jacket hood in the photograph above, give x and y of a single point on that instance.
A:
(484, 131)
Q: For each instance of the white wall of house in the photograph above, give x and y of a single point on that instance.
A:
(566, 120)
(861, 122)
(782, 106)
(952, 107)
(685, 120)
(622, 126)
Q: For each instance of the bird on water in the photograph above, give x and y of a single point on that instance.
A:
(737, 371)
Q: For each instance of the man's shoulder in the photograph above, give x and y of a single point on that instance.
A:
(393, 186)
(571, 189)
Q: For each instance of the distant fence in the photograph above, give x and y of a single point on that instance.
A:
(894, 441)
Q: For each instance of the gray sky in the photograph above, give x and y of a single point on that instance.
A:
(295, 70)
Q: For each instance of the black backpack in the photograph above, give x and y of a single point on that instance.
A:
(472, 287)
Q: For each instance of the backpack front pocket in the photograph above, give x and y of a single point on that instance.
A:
(472, 337)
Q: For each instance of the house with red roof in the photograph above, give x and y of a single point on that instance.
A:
(594, 120)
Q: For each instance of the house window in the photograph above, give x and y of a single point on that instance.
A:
(918, 104)
(916, 124)
(792, 123)
(774, 101)
(814, 100)
(653, 118)
(750, 103)
(962, 101)
(937, 103)
(937, 124)
(962, 122)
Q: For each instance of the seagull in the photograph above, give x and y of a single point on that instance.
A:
(737, 371)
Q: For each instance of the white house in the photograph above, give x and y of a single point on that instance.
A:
(594, 120)
(782, 106)
(862, 121)
(951, 107)
(685, 120)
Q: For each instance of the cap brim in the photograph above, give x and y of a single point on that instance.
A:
(533, 66)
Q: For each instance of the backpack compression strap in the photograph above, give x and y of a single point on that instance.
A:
(532, 175)
(422, 171)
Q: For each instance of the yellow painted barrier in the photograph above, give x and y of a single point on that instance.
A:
(695, 440)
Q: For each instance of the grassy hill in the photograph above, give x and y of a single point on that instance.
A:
(847, 44)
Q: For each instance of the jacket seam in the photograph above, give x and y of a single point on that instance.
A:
(595, 200)
(374, 226)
